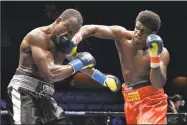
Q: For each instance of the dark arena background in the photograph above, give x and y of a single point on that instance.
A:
(78, 92)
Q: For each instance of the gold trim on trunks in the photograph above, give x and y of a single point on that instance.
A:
(132, 96)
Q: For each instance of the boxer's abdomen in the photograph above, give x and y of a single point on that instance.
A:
(135, 65)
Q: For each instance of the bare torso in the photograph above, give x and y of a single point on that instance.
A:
(26, 62)
(135, 63)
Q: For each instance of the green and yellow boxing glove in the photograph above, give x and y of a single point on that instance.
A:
(82, 61)
(155, 46)
(66, 45)
(110, 81)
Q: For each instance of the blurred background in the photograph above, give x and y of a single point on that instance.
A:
(79, 92)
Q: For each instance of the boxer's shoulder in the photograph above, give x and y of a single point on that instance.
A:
(35, 37)
(165, 50)
(37, 33)
(126, 34)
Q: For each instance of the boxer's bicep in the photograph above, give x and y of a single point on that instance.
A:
(44, 60)
(121, 33)
(104, 32)
(112, 32)
(40, 54)
(99, 31)
(59, 58)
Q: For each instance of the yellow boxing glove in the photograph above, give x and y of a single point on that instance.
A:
(110, 81)
(155, 46)
(113, 83)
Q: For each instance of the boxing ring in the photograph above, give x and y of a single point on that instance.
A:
(171, 117)
(98, 107)
(96, 113)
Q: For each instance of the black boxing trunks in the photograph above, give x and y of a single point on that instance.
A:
(31, 102)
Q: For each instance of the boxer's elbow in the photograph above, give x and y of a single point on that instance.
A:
(163, 80)
(88, 30)
(49, 77)
(58, 72)
(158, 78)
(159, 84)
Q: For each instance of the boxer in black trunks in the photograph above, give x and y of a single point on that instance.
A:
(42, 53)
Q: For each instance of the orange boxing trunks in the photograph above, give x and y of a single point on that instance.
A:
(144, 104)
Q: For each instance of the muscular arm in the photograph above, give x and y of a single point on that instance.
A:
(105, 32)
(158, 75)
(45, 61)
(117, 33)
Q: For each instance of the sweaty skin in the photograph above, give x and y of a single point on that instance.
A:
(39, 55)
(37, 58)
(131, 47)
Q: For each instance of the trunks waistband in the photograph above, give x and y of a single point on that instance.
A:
(32, 84)
(19, 71)
(138, 92)
(139, 84)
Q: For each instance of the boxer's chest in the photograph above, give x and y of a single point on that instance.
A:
(140, 61)
(136, 66)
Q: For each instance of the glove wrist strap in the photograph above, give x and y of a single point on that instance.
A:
(155, 61)
(99, 77)
(76, 64)
(77, 37)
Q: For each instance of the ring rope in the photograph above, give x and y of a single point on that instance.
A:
(95, 113)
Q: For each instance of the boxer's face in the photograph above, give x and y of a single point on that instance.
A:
(67, 28)
(140, 34)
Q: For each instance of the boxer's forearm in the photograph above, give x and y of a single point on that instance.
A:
(60, 72)
(112, 82)
(88, 71)
(157, 77)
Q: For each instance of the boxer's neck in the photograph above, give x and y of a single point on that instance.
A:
(50, 31)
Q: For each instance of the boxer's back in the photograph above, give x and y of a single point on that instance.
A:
(135, 63)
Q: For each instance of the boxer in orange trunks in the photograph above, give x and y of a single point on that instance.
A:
(144, 62)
